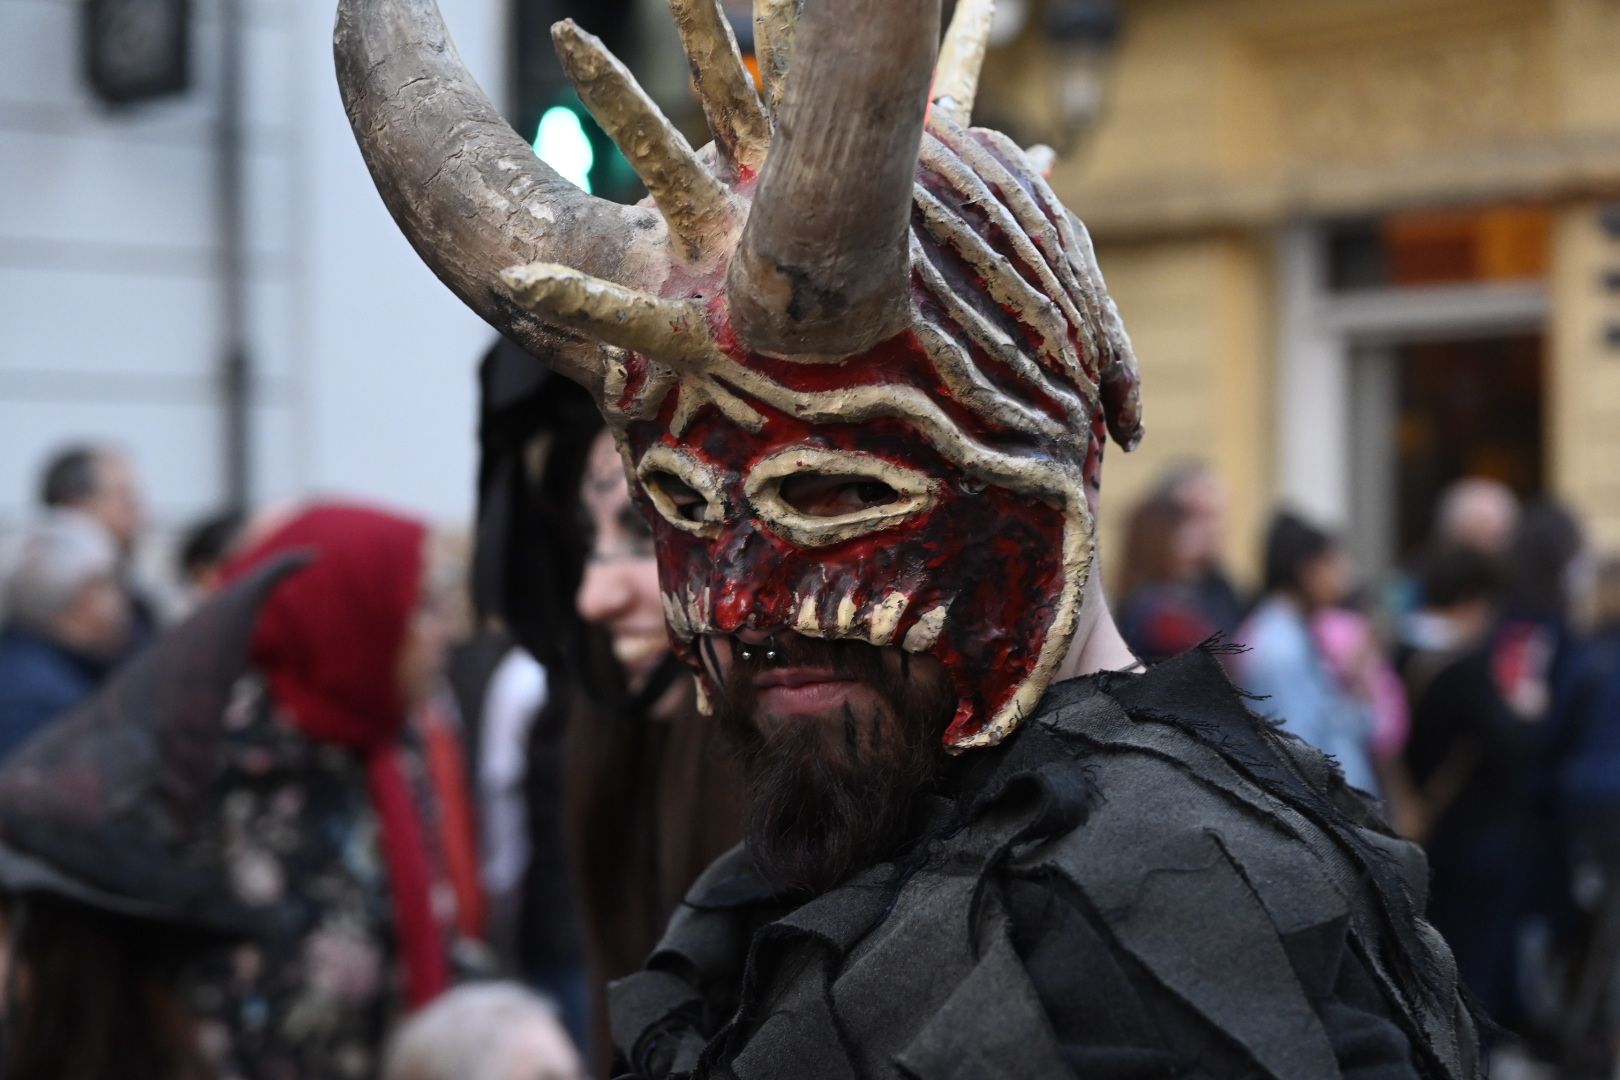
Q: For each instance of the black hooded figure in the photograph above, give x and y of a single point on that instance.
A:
(105, 889)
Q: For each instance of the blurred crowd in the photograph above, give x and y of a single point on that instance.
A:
(1476, 693)
(460, 785)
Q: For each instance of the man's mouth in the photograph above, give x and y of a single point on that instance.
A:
(803, 690)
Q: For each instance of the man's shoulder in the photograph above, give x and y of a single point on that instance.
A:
(1168, 778)
(1227, 863)
(1175, 761)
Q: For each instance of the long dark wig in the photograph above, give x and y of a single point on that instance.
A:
(632, 841)
(94, 996)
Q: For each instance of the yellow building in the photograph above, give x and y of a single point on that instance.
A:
(1363, 246)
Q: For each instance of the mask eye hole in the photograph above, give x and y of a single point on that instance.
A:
(813, 496)
(833, 495)
(684, 500)
(685, 491)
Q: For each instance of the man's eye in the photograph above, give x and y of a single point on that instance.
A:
(833, 495)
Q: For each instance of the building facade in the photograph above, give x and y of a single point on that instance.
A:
(113, 287)
(1364, 247)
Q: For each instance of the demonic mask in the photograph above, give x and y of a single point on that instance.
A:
(875, 300)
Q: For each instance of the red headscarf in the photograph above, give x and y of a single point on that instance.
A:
(329, 642)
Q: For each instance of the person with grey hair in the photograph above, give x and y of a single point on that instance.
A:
(1478, 513)
(67, 622)
(485, 1031)
(100, 481)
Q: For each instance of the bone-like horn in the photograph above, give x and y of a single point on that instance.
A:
(690, 198)
(671, 330)
(823, 266)
(736, 118)
(466, 190)
(773, 44)
(961, 58)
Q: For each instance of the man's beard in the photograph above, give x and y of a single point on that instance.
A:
(827, 795)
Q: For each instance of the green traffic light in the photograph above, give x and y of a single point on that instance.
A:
(562, 143)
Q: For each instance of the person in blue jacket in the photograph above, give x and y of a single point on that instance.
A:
(67, 622)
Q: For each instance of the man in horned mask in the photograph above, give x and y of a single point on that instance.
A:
(861, 367)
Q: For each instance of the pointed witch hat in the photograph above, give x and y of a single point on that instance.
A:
(104, 807)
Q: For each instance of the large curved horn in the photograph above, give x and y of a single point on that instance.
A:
(823, 267)
(466, 190)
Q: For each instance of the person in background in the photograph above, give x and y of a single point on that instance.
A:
(1196, 490)
(1350, 645)
(1460, 586)
(1488, 740)
(1174, 590)
(325, 826)
(206, 547)
(1473, 514)
(619, 752)
(68, 622)
(1462, 589)
(1160, 612)
(1590, 789)
(1476, 513)
(1306, 573)
(106, 891)
(100, 481)
(486, 1031)
(528, 555)
(500, 691)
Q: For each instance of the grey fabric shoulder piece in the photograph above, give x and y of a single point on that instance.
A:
(1205, 896)
(1177, 751)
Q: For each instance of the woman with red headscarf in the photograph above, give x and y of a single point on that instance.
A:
(321, 805)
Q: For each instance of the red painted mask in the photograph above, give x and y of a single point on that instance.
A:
(929, 493)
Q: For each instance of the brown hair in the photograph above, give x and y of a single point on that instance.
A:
(1148, 557)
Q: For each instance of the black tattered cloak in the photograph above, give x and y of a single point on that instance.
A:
(1146, 880)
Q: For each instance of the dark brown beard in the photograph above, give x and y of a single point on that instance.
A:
(826, 796)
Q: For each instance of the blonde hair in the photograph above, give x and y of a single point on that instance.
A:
(472, 1032)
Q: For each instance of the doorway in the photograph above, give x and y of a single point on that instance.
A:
(1412, 352)
(1427, 412)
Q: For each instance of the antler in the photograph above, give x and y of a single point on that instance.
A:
(466, 190)
(823, 265)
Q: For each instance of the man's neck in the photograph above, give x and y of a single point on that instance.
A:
(1098, 644)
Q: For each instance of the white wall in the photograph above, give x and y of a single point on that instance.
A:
(110, 294)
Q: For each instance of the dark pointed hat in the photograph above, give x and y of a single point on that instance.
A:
(105, 806)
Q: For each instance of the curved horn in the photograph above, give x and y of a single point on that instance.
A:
(466, 190)
(823, 267)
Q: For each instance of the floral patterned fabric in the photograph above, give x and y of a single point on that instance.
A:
(315, 999)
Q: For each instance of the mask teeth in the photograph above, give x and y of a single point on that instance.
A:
(846, 616)
(704, 706)
(923, 633)
(675, 616)
(885, 617)
(808, 621)
(694, 613)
